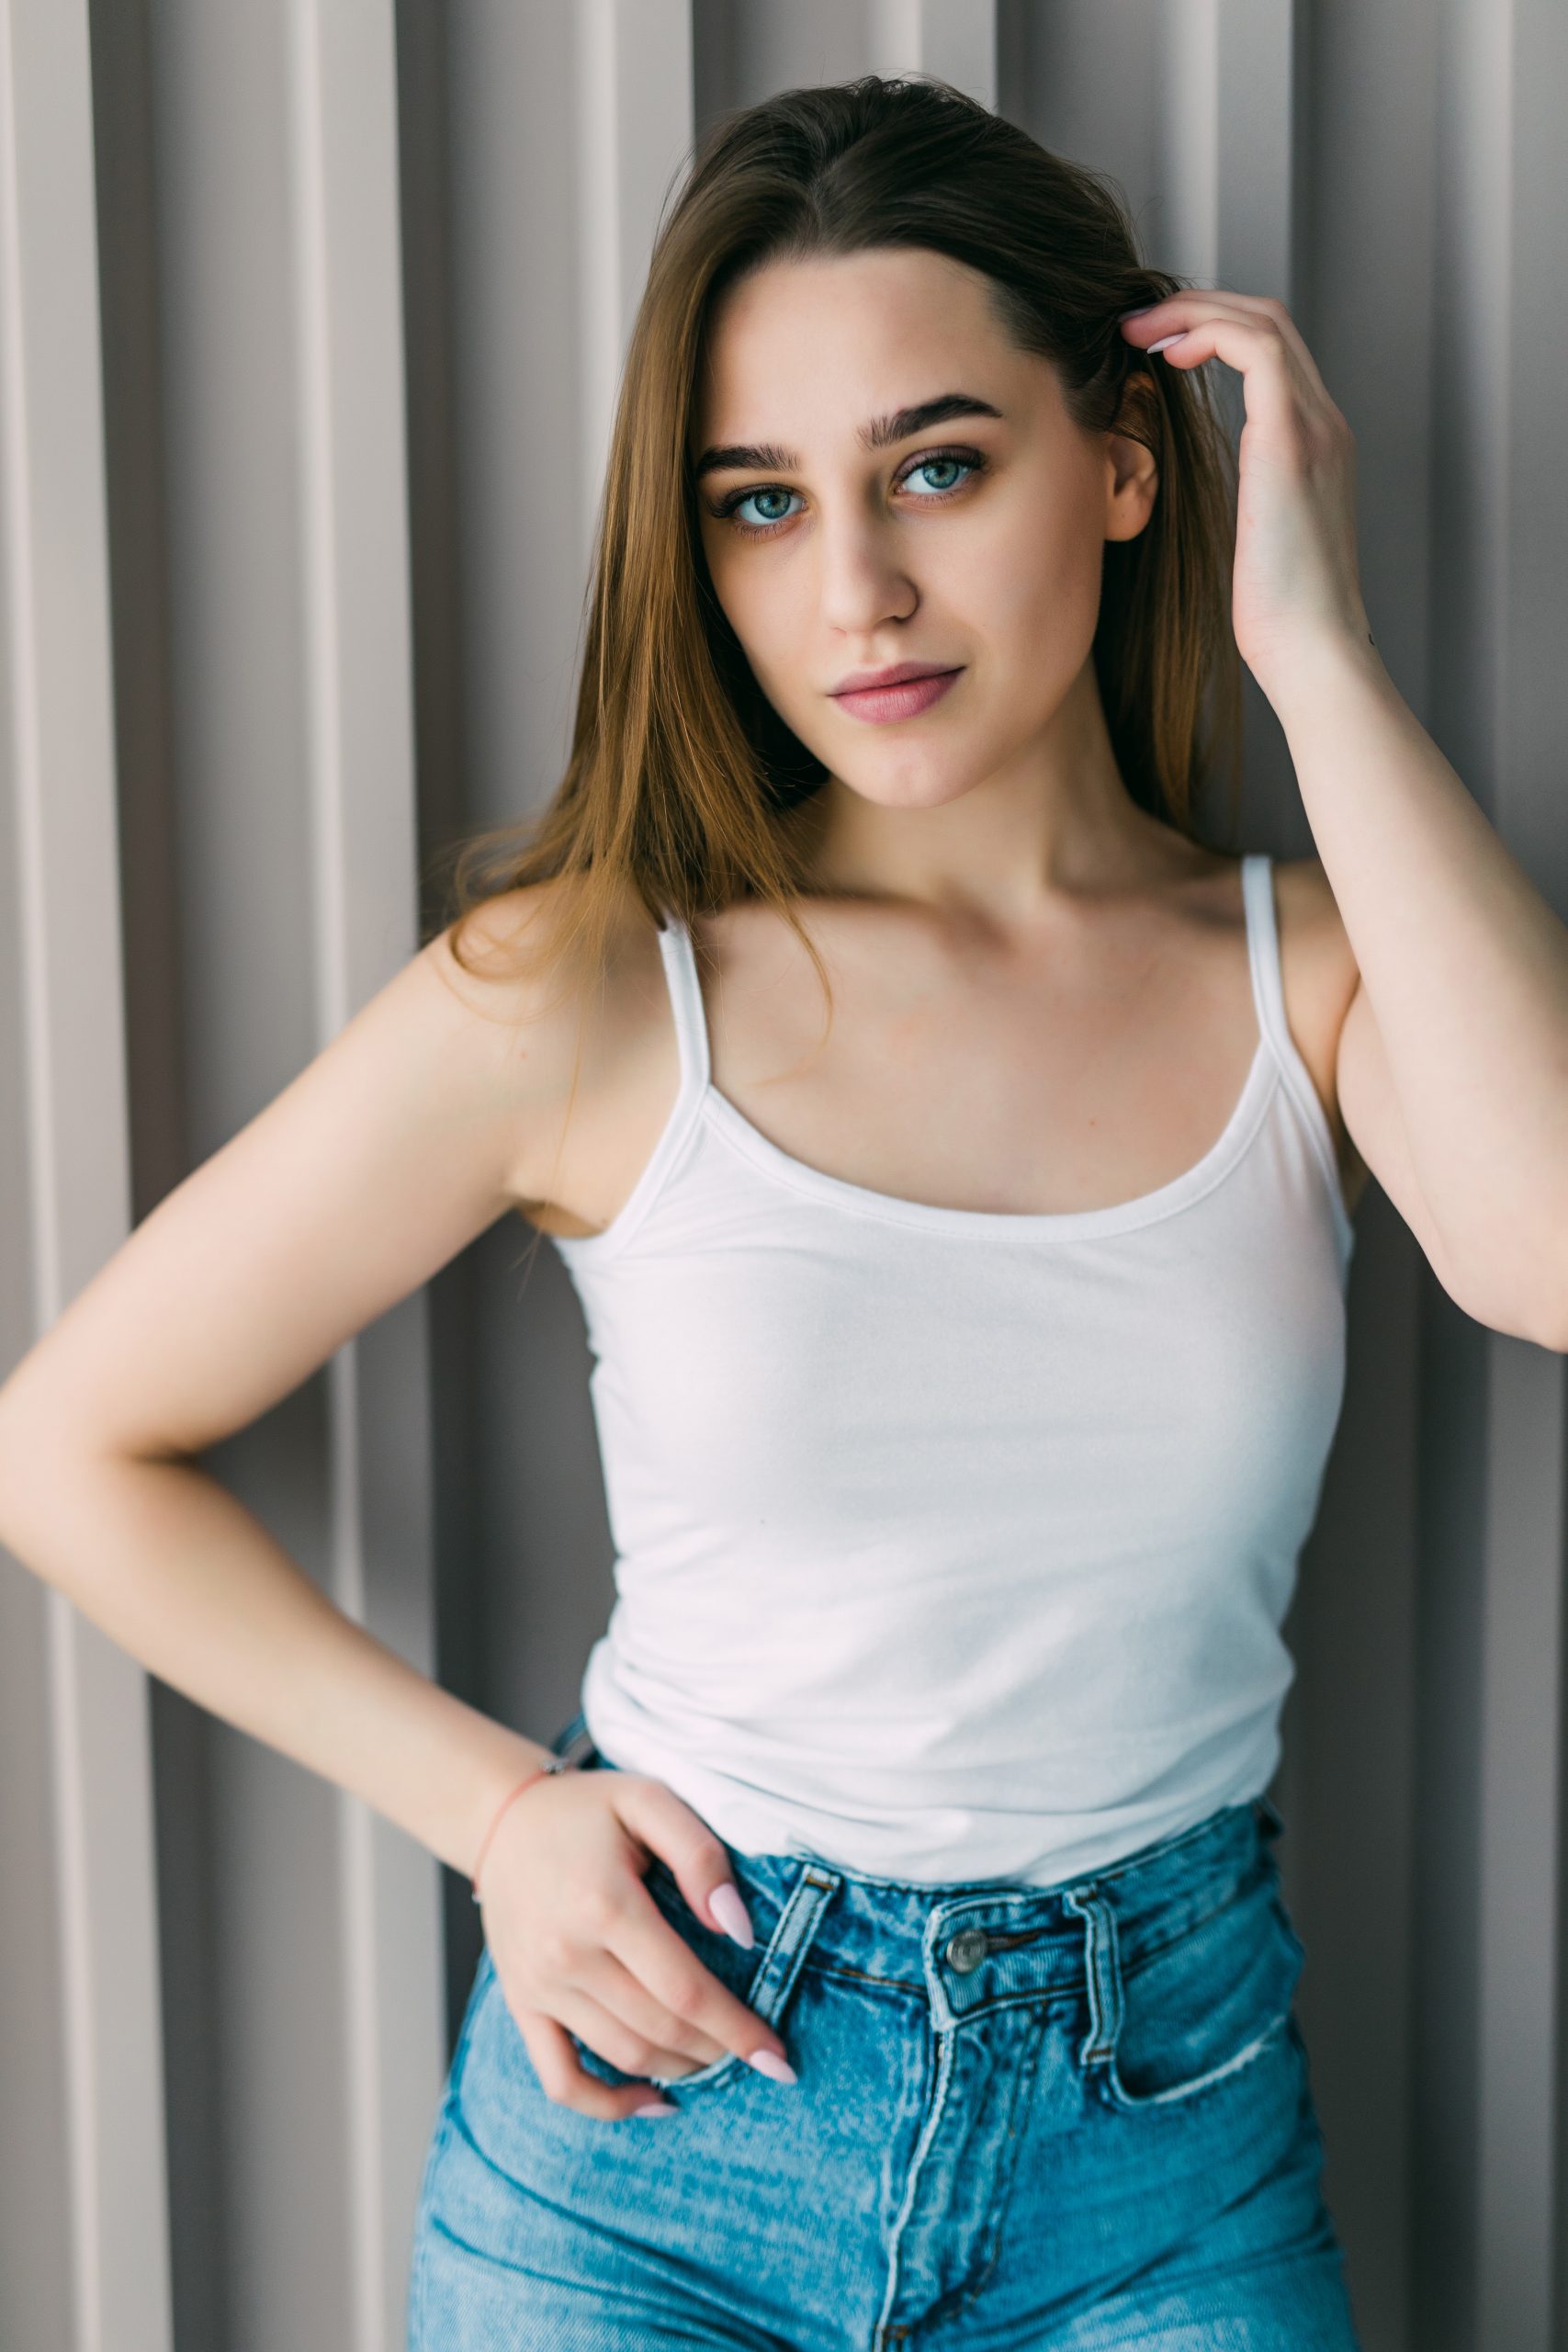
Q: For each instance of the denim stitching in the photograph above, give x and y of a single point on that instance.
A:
(1104, 1974)
(1254, 2049)
(886, 2331)
(778, 1966)
(1103, 1969)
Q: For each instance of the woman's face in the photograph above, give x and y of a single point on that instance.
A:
(967, 542)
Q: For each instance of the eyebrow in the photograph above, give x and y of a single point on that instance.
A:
(879, 434)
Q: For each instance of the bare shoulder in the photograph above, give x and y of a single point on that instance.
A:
(585, 1048)
(509, 1008)
(1318, 978)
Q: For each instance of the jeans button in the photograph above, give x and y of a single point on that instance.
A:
(968, 1949)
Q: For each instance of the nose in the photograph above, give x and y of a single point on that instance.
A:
(862, 580)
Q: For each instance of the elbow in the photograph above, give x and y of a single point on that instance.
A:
(43, 1451)
(30, 1457)
(1525, 1301)
(1555, 1334)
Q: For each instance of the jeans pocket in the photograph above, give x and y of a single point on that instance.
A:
(764, 1977)
(1176, 2017)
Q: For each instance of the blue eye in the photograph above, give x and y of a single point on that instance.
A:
(928, 464)
(751, 498)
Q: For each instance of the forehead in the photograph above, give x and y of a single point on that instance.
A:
(799, 347)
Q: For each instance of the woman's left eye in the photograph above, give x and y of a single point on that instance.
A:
(937, 465)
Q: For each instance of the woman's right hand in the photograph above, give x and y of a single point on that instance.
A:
(580, 1947)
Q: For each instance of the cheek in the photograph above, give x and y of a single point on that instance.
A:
(1036, 584)
(766, 608)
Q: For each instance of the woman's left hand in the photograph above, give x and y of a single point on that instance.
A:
(1296, 582)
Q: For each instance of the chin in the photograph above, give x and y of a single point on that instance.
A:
(922, 788)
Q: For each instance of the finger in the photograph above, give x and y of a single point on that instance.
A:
(656, 1956)
(1276, 397)
(633, 2011)
(565, 2079)
(1191, 303)
(1272, 308)
(608, 2034)
(590, 1992)
(578, 2013)
(1186, 312)
(663, 1824)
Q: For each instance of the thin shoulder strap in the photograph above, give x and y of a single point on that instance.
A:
(686, 1002)
(1269, 995)
(1263, 953)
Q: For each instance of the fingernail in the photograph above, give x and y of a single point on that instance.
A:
(1164, 339)
(656, 2107)
(777, 2069)
(1138, 313)
(730, 1911)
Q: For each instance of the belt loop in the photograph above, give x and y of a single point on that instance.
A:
(814, 1888)
(574, 1742)
(1102, 1966)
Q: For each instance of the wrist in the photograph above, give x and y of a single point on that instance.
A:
(532, 1777)
(501, 1762)
(1319, 665)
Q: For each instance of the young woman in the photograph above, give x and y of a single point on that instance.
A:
(966, 1362)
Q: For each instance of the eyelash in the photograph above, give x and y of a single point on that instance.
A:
(724, 508)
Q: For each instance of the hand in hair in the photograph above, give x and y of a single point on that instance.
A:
(1296, 583)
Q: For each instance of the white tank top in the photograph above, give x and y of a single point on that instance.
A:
(956, 1543)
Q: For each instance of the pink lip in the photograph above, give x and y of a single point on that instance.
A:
(903, 697)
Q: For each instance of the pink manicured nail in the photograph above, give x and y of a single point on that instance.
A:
(1164, 340)
(656, 2107)
(730, 1911)
(777, 2069)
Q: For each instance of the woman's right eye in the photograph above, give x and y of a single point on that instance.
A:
(729, 509)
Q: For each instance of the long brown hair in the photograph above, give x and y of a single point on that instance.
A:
(682, 779)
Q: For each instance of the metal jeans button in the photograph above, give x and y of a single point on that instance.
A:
(968, 1949)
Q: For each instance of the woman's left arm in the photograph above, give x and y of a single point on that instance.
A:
(1452, 1067)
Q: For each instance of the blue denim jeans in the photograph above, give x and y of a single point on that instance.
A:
(1028, 2119)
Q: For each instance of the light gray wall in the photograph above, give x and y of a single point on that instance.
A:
(311, 313)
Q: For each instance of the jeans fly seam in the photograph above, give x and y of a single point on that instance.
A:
(884, 2326)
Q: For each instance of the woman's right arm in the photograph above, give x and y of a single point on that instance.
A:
(383, 1158)
(434, 1111)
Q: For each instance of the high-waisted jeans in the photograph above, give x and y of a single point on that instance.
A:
(1028, 2119)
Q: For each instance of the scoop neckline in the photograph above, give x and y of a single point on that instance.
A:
(700, 1102)
(1144, 1208)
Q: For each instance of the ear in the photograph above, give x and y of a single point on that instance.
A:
(1132, 475)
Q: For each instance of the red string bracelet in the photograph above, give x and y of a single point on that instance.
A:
(556, 1764)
